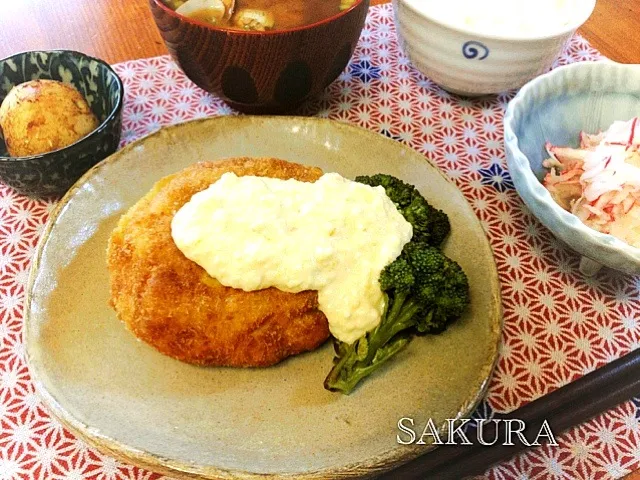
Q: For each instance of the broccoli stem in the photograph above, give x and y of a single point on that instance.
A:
(398, 318)
(338, 382)
(382, 344)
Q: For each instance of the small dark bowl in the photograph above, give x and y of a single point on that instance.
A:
(262, 72)
(51, 174)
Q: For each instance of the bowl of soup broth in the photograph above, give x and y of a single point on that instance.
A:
(261, 56)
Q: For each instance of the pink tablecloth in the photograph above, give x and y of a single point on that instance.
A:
(557, 324)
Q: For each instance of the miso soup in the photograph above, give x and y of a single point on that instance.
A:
(259, 15)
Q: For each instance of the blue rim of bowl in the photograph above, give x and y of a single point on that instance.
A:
(270, 33)
(99, 129)
(521, 166)
(489, 36)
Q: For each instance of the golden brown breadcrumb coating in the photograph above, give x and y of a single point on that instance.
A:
(172, 304)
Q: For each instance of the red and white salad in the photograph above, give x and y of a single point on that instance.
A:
(599, 181)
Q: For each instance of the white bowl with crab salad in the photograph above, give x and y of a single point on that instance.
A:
(472, 47)
(572, 141)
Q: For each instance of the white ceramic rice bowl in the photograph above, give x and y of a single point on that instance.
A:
(471, 64)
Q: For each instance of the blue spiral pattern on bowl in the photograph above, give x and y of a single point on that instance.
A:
(475, 50)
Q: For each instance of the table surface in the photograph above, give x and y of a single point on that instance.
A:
(118, 30)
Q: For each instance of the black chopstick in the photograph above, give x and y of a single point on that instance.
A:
(564, 408)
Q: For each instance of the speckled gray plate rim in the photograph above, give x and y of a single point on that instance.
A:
(603, 248)
(131, 402)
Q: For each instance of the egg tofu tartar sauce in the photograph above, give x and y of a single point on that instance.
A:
(334, 236)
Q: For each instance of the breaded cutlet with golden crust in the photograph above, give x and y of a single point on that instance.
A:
(172, 304)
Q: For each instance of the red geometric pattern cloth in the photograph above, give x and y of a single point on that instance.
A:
(558, 325)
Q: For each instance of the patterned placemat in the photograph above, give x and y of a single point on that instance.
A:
(557, 324)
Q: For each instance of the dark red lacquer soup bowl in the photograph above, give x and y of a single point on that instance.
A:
(272, 71)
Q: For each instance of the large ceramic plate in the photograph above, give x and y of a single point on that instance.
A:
(136, 404)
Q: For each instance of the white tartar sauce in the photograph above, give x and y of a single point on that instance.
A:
(334, 236)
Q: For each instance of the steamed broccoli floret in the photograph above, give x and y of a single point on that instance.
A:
(425, 290)
(399, 192)
(441, 284)
(440, 288)
(398, 275)
(429, 224)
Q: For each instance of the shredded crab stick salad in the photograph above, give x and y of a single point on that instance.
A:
(599, 182)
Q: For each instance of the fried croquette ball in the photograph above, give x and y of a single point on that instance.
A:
(44, 115)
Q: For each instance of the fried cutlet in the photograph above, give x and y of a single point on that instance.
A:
(172, 304)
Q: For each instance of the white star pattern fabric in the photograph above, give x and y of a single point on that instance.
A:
(558, 325)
